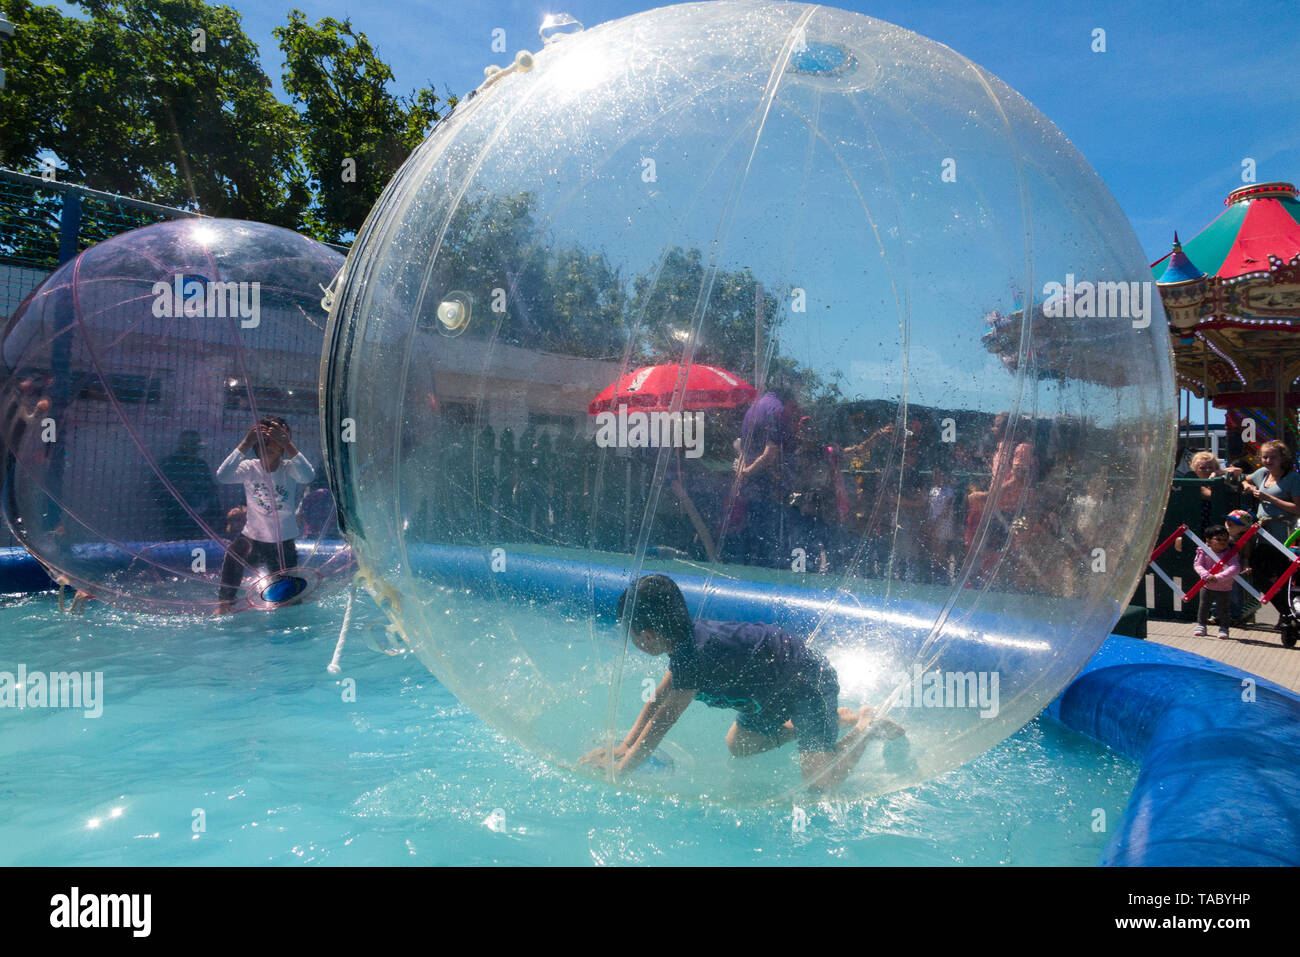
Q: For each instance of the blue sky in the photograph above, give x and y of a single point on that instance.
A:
(1182, 96)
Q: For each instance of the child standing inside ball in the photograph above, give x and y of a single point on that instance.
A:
(1216, 596)
(781, 689)
(270, 479)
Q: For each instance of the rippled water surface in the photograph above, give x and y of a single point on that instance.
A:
(229, 743)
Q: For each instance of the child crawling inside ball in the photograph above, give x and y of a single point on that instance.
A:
(781, 689)
(270, 478)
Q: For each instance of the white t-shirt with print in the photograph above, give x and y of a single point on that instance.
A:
(270, 497)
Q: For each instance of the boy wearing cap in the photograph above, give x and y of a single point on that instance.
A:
(1237, 522)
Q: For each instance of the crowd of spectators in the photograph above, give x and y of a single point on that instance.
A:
(779, 487)
(1271, 493)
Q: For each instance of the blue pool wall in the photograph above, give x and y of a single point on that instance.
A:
(1218, 748)
(1219, 751)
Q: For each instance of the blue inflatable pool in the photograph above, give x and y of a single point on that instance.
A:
(1219, 749)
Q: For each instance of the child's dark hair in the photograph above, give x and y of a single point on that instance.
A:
(659, 606)
(1214, 531)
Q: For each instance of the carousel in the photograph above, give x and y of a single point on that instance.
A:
(1232, 296)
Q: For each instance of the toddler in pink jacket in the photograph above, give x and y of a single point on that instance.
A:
(1217, 593)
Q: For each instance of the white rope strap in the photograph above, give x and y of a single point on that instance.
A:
(333, 667)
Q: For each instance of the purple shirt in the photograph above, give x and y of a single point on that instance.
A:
(748, 667)
(764, 422)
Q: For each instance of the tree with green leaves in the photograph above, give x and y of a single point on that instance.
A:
(167, 101)
(356, 133)
(157, 99)
(570, 300)
(559, 299)
(667, 298)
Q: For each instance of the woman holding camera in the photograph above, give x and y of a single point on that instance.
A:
(1205, 467)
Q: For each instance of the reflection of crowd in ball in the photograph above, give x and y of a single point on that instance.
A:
(826, 489)
(939, 498)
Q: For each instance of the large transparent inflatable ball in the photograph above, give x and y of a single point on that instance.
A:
(159, 415)
(807, 313)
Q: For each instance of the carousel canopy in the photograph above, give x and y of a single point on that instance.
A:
(1232, 294)
(1178, 268)
(1261, 225)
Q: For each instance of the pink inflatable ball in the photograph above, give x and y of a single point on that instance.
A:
(128, 377)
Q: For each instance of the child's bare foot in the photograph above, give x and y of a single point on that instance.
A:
(223, 608)
(848, 718)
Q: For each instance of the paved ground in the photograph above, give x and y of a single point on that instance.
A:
(1257, 650)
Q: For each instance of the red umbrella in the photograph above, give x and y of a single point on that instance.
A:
(651, 388)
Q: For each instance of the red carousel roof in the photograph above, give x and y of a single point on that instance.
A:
(1261, 224)
(1232, 294)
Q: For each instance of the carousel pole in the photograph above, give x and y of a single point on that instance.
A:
(1185, 419)
(1279, 397)
(1205, 396)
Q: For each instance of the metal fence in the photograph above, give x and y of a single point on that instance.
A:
(44, 223)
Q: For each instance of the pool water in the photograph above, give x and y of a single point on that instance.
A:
(228, 743)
